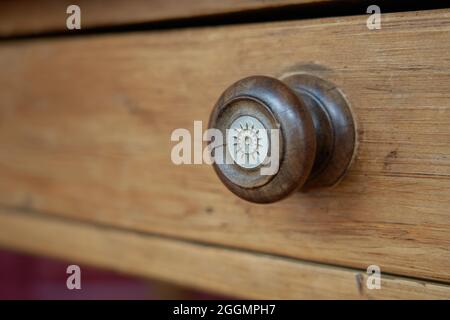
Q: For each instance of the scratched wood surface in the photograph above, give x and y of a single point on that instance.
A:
(20, 17)
(222, 270)
(85, 127)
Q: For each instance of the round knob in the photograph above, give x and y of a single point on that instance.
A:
(280, 135)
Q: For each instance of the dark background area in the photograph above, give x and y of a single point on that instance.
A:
(24, 276)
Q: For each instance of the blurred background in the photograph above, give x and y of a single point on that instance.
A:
(26, 277)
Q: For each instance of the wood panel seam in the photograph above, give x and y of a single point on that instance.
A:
(104, 226)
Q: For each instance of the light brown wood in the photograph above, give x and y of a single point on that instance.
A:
(85, 127)
(21, 17)
(222, 270)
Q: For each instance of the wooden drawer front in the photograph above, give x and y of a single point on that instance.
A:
(85, 127)
(21, 17)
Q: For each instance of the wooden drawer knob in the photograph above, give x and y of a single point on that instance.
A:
(280, 135)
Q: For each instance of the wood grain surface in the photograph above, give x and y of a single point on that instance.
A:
(222, 270)
(21, 17)
(85, 127)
